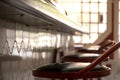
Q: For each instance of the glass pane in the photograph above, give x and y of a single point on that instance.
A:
(85, 27)
(94, 7)
(77, 39)
(94, 0)
(103, 1)
(85, 7)
(72, 16)
(86, 13)
(94, 28)
(104, 18)
(93, 37)
(85, 39)
(102, 7)
(94, 18)
(85, 0)
(85, 17)
(102, 28)
(79, 18)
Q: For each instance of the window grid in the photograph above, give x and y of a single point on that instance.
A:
(90, 17)
(90, 14)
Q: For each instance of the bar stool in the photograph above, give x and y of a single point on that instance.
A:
(74, 70)
(105, 45)
(88, 55)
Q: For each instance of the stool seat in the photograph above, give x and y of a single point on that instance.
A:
(69, 68)
(82, 50)
(85, 57)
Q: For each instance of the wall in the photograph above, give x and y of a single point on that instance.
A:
(23, 48)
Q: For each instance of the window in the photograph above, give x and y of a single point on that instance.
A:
(90, 14)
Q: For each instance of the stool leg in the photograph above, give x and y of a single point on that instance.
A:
(55, 51)
(61, 55)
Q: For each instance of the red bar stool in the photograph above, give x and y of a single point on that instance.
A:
(87, 55)
(72, 70)
(105, 45)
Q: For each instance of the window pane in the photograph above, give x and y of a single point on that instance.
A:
(74, 8)
(86, 27)
(104, 18)
(102, 7)
(94, 7)
(119, 17)
(85, 17)
(119, 29)
(73, 18)
(103, 1)
(85, 7)
(85, 39)
(94, 0)
(94, 28)
(85, 0)
(90, 14)
(102, 28)
(93, 37)
(77, 39)
(94, 18)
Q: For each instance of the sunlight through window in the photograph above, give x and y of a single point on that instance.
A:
(90, 14)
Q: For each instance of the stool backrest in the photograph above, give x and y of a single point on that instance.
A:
(105, 46)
